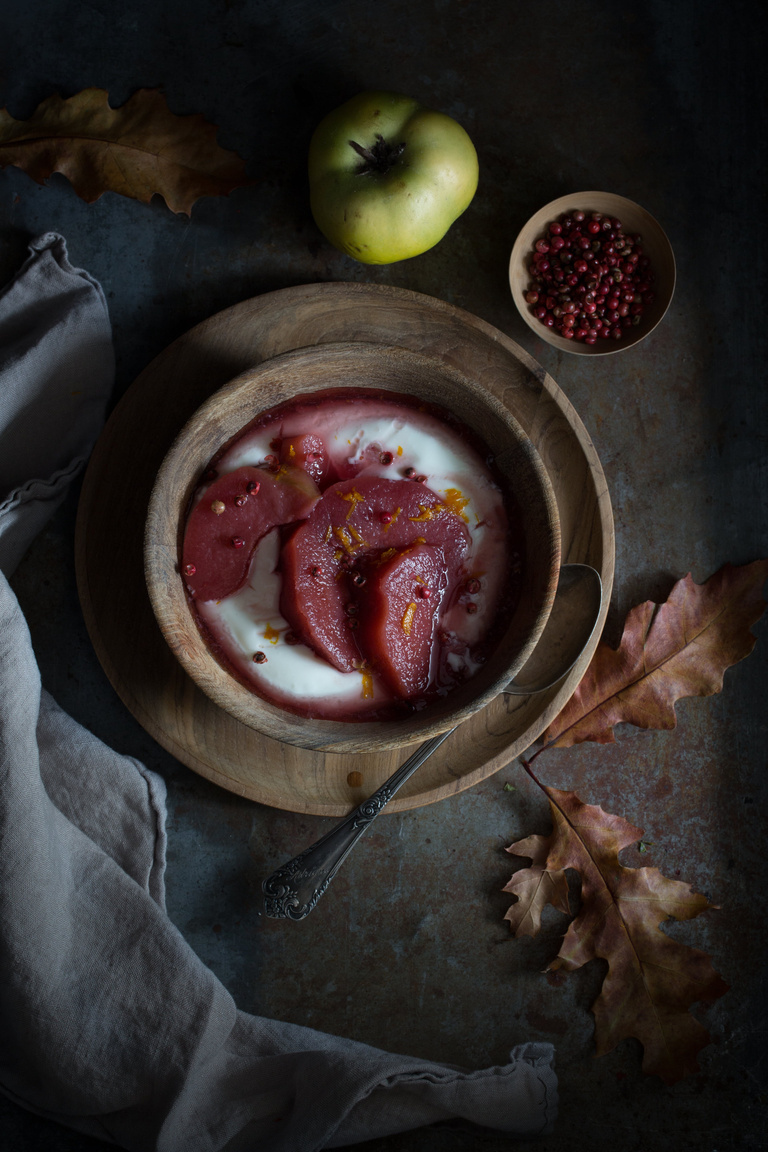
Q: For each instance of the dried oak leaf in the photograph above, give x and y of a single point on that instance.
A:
(652, 980)
(137, 150)
(668, 651)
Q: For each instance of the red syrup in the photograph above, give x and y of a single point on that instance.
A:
(365, 560)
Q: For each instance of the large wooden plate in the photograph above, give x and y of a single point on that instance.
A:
(113, 506)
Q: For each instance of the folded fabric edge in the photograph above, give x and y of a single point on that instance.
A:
(519, 1099)
(49, 489)
(57, 245)
(157, 793)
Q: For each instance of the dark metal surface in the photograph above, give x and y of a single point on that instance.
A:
(662, 103)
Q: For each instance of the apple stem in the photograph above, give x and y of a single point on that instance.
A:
(380, 157)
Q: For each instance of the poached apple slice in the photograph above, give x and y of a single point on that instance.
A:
(358, 522)
(398, 611)
(230, 518)
(308, 452)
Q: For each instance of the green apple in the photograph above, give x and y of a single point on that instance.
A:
(388, 176)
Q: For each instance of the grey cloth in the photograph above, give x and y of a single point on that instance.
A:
(109, 1022)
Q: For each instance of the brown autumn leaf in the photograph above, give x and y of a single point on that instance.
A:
(137, 150)
(652, 980)
(668, 651)
(535, 887)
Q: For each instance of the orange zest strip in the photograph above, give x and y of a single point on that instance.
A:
(407, 621)
(425, 513)
(353, 498)
(345, 538)
(455, 502)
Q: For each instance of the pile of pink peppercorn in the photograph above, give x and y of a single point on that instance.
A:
(590, 280)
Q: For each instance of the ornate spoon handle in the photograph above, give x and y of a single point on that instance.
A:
(294, 890)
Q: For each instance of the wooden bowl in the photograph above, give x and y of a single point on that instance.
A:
(634, 219)
(351, 366)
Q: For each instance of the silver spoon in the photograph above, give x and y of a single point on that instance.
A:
(295, 888)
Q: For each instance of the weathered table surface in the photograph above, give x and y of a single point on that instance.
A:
(658, 102)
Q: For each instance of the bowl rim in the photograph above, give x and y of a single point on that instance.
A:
(167, 593)
(551, 211)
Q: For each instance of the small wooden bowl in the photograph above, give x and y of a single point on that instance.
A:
(634, 219)
(351, 366)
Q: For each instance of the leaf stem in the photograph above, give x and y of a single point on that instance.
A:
(527, 765)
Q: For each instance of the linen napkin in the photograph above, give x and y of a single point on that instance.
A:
(109, 1022)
